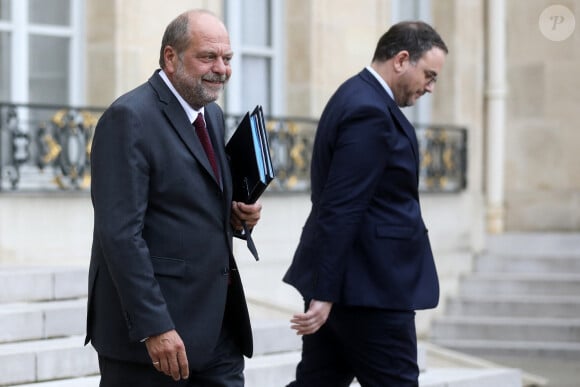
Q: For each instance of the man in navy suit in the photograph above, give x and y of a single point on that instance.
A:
(364, 263)
(166, 305)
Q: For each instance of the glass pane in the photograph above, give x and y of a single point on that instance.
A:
(49, 69)
(408, 10)
(256, 80)
(55, 12)
(256, 23)
(4, 9)
(5, 49)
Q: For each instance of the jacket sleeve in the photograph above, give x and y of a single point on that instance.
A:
(360, 155)
(119, 190)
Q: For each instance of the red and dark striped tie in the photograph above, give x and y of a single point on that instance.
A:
(203, 135)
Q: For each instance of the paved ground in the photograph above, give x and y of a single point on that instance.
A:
(559, 372)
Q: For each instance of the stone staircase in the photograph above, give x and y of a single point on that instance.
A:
(522, 299)
(42, 318)
(41, 325)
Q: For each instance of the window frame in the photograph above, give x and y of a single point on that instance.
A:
(20, 30)
(234, 96)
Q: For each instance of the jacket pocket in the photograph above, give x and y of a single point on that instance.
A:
(171, 267)
(395, 231)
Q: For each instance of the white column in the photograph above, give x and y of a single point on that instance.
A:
(496, 91)
(77, 88)
(19, 66)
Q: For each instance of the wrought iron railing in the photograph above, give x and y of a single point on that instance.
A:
(443, 154)
(47, 148)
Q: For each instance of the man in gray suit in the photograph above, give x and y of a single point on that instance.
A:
(166, 305)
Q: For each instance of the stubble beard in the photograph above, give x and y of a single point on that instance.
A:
(407, 98)
(193, 91)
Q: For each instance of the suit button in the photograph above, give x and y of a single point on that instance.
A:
(225, 271)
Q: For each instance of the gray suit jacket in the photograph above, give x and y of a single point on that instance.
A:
(162, 245)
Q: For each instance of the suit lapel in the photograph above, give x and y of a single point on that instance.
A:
(407, 127)
(184, 129)
(398, 116)
(178, 119)
(214, 122)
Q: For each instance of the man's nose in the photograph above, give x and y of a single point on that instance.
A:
(219, 66)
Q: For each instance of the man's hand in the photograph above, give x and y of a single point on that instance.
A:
(311, 321)
(250, 213)
(168, 355)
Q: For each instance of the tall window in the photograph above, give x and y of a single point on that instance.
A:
(402, 10)
(41, 46)
(255, 32)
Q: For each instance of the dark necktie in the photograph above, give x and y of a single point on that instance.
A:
(203, 135)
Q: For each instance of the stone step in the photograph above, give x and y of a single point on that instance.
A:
(500, 284)
(44, 360)
(448, 377)
(271, 370)
(532, 349)
(467, 377)
(508, 329)
(534, 244)
(528, 264)
(42, 283)
(40, 320)
(514, 306)
(89, 381)
(273, 336)
(278, 370)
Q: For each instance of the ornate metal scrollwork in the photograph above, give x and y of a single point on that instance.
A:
(36, 138)
(64, 143)
(443, 159)
(443, 155)
(290, 141)
(291, 150)
(19, 145)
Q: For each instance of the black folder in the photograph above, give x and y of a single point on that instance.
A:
(249, 156)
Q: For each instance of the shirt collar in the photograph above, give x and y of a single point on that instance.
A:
(191, 112)
(381, 81)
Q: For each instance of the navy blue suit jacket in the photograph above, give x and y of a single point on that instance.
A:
(162, 242)
(364, 242)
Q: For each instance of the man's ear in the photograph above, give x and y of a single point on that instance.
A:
(401, 61)
(171, 58)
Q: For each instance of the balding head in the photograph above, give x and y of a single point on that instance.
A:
(185, 27)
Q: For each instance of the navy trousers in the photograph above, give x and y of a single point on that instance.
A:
(378, 347)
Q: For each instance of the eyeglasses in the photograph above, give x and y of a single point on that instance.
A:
(430, 76)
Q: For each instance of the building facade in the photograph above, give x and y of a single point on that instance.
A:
(509, 81)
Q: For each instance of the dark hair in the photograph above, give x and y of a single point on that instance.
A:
(416, 37)
(176, 35)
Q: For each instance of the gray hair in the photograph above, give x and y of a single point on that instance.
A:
(177, 34)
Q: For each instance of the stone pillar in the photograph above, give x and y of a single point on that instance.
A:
(495, 96)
